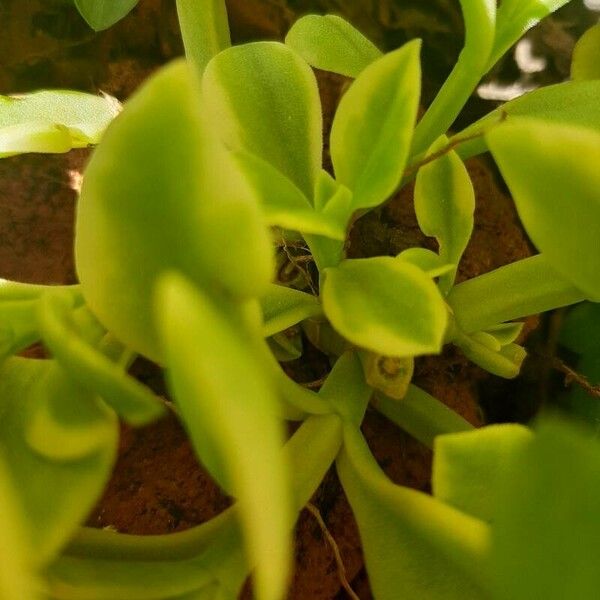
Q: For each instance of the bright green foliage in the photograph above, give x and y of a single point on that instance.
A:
(552, 172)
(55, 495)
(546, 531)
(16, 581)
(159, 194)
(427, 260)
(284, 307)
(332, 44)
(372, 129)
(585, 56)
(468, 466)
(244, 84)
(573, 102)
(445, 207)
(385, 305)
(225, 398)
(18, 328)
(514, 18)
(53, 121)
(411, 541)
(102, 14)
(505, 333)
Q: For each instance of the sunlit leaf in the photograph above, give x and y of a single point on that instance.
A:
(159, 194)
(55, 496)
(550, 500)
(552, 173)
(445, 207)
(283, 307)
(263, 99)
(585, 63)
(373, 126)
(53, 121)
(385, 305)
(428, 261)
(468, 466)
(332, 44)
(102, 14)
(411, 541)
(225, 398)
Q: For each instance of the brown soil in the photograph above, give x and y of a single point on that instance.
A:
(158, 485)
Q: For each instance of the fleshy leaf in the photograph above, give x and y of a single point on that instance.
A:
(225, 397)
(516, 17)
(263, 99)
(55, 496)
(427, 260)
(445, 207)
(411, 541)
(585, 63)
(552, 173)
(506, 333)
(373, 126)
(468, 466)
(18, 326)
(551, 500)
(53, 121)
(160, 192)
(332, 44)
(102, 14)
(283, 307)
(385, 305)
(572, 102)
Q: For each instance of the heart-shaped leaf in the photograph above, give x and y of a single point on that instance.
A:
(385, 305)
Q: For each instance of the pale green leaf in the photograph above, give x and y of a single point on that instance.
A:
(373, 126)
(263, 99)
(445, 207)
(546, 533)
(385, 305)
(225, 397)
(332, 44)
(585, 63)
(55, 496)
(514, 18)
(427, 260)
(284, 307)
(572, 102)
(53, 121)
(18, 326)
(413, 544)
(552, 173)
(158, 194)
(102, 14)
(506, 333)
(468, 466)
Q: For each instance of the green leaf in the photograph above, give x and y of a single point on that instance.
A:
(373, 126)
(411, 541)
(585, 56)
(18, 326)
(263, 99)
(581, 329)
(16, 579)
(159, 194)
(572, 102)
(551, 500)
(225, 397)
(283, 203)
(468, 467)
(55, 496)
(284, 307)
(53, 121)
(332, 44)
(552, 173)
(505, 333)
(385, 305)
(427, 260)
(102, 14)
(514, 18)
(93, 371)
(445, 207)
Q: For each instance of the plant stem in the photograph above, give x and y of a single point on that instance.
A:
(204, 28)
(523, 288)
(421, 415)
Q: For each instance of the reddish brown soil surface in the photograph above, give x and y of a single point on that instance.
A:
(158, 486)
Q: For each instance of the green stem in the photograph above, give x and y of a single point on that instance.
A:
(421, 415)
(204, 28)
(523, 288)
